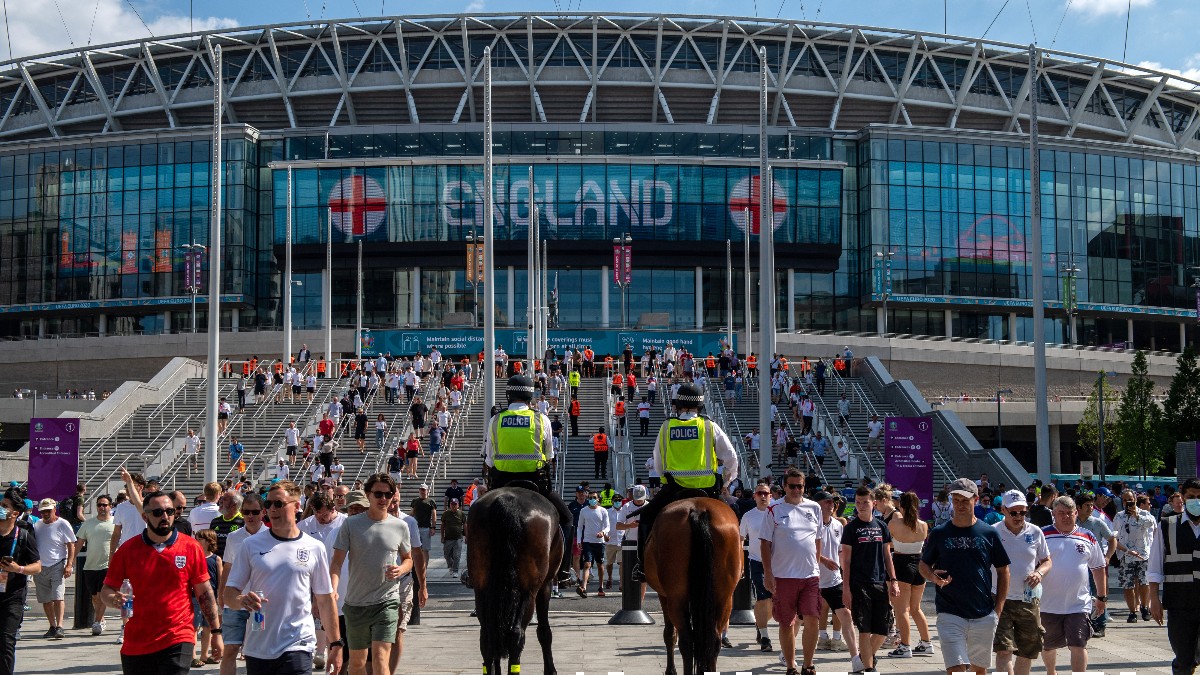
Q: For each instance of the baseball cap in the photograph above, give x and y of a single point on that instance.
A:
(453, 501)
(1138, 487)
(639, 492)
(581, 488)
(822, 496)
(424, 486)
(47, 504)
(1104, 492)
(1013, 498)
(964, 487)
(357, 498)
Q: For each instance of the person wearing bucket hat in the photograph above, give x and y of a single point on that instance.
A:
(686, 452)
(518, 446)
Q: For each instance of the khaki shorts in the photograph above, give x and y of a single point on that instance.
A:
(372, 623)
(612, 553)
(1020, 630)
(406, 608)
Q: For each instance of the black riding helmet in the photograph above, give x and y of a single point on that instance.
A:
(519, 388)
(688, 396)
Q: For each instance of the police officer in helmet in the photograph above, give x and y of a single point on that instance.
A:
(686, 453)
(518, 446)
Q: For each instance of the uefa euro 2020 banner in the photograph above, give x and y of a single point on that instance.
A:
(908, 446)
(53, 457)
(470, 341)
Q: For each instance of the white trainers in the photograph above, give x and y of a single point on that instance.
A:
(838, 645)
(856, 665)
(923, 648)
(900, 652)
(318, 661)
(98, 628)
(121, 636)
(823, 644)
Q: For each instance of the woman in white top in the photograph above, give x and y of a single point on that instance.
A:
(380, 431)
(908, 538)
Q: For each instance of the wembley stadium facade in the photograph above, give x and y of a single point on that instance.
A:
(882, 141)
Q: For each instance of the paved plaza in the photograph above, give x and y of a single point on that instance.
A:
(446, 641)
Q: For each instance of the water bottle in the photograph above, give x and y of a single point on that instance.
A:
(1034, 593)
(127, 605)
(258, 622)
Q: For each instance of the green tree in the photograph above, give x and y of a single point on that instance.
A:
(1142, 441)
(1183, 399)
(1089, 427)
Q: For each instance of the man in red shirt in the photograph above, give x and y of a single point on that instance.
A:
(167, 568)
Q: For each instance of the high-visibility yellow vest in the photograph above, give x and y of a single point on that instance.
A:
(606, 497)
(517, 437)
(573, 378)
(689, 451)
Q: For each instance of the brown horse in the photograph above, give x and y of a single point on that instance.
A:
(693, 561)
(513, 548)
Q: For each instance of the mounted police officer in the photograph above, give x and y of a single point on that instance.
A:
(686, 453)
(518, 446)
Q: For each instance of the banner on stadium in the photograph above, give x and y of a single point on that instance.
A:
(908, 448)
(470, 341)
(53, 457)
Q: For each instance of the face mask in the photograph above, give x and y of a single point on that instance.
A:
(1193, 507)
(3, 513)
(593, 502)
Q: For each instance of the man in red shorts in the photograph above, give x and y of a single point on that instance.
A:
(790, 548)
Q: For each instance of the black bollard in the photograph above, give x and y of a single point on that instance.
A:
(83, 602)
(631, 612)
(743, 607)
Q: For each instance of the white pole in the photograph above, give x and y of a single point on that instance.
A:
(489, 286)
(287, 275)
(749, 313)
(358, 309)
(329, 369)
(530, 280)
(1042, 406)
(214, 278)
(729, 291)
(766, 276)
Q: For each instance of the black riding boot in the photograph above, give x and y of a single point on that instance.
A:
(565, 578)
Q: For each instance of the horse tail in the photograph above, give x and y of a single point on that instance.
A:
(502, 600)
(702, 605)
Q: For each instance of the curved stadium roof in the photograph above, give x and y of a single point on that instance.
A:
(580, 68)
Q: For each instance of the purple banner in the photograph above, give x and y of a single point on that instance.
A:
(53, 457)
(908, 447)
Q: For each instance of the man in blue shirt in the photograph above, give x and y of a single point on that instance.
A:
(959, 559)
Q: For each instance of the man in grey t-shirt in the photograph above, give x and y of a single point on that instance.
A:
(380, 558)
(1089, 521)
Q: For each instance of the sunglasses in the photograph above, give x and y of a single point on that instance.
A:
(762, 494)
(103, 504)
(252, 512)
(158, 513)
(274, 504)
(795, 486)
(1018, 514)
(377, 494)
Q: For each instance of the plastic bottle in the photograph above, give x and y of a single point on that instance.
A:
(258, 620)
(127, 606)
(1034, 593)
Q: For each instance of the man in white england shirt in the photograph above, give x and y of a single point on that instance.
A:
(1066, 603)
(293, 570)
(749, 529)
(202, 516)
(790, 548)
(1019, 629)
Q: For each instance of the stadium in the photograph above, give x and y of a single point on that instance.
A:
(886, 145)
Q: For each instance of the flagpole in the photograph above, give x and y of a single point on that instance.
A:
(489, 291)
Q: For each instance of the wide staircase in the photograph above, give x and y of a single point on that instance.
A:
(595, 411)
(741, 416)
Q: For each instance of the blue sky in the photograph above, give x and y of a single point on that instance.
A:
(1161, 32)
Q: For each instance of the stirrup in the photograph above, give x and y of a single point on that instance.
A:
(566, 579)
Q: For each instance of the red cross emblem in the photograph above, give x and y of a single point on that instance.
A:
(745, 195)
(357, 205)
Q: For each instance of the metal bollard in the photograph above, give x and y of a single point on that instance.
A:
(83, 601)
(631, 612)
(742, 613)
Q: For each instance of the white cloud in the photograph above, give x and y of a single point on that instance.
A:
(1190, 70)
(474, 6)
(1102, 7)
(37, 26)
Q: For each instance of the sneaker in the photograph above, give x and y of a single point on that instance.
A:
(923, 648)
(856, 665)
(838, 645)
(1145, 614)
(59, 633)
(556, 594)
(764, 645)
(901, 652)
(892, 640)
(580, 592)
(121, 636)
(808, 670)
(725, 642)
(97, 628)
(608, 584)
(600, 593)
(1132, 618)
(1098, 632)
(318, 661)
(49, 634)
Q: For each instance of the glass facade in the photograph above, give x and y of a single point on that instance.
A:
(89, 230)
